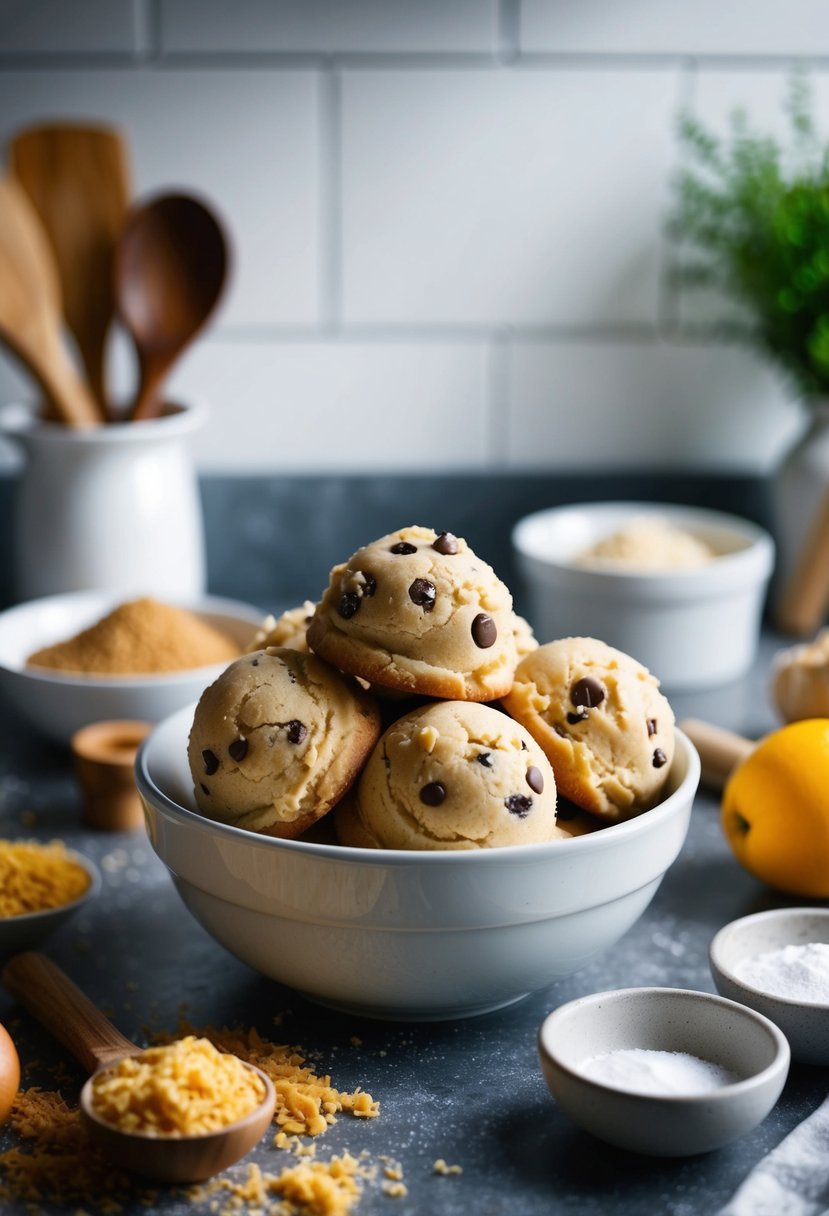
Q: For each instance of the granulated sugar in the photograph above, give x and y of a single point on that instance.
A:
(641, 1071)
(799, 973)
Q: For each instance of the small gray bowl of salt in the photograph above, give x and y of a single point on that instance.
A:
(777, 963)
(663, 1071)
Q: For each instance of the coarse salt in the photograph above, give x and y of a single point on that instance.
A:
(643, 1071)
(798, 973)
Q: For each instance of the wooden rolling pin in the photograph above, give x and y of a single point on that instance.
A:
(804, 600)
(720, 750)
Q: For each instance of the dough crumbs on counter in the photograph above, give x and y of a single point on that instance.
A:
(306, 1104)
(57, 1164)
(441, 1167)
(311, 1188)
(356, 1041)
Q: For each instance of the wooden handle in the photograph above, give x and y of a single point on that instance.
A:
(720, 750)
(62, 1008)
(805, 598)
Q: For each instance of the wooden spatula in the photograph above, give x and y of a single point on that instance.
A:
(79, 181)
(30, 318)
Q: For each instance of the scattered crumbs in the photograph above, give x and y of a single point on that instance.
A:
(356, 1041)
(382, 1052)
(440, 1167)
(392, 1169)
(395, 1190)
(321, 1188)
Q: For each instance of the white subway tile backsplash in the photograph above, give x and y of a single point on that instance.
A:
(675, 27)
(49, 27)
(504, 197)
(321, 406)
(761, 96)
(247, 141)
(648, 405)
(329, 26)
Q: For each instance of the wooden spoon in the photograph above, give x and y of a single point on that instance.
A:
(30, 319)
(71, 1017)
(720, 750)
(78, 180)
(170, 269)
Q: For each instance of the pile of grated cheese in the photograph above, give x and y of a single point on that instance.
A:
(185, 1088)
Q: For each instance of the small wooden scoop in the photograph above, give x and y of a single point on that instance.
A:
(78, 180)
(30, 318)
(72, 1018)
(720, 750)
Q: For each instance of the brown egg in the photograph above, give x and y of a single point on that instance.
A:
(9, 1073)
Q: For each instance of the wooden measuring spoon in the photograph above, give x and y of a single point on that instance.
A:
(30, 320)
(71, 1017)
(77, 177)
(170, 269)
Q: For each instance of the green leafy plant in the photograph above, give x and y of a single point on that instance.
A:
(752, 217)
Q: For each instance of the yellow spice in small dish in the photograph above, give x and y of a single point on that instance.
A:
(184, 1088)
(35, 877)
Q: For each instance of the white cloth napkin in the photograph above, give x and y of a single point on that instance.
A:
(793, 1179)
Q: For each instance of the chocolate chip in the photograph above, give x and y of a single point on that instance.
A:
(205, 790)
(659, 758)
(446, 543)
(403, 548)
(433, 794)
(484, 759)
(565, 809)
(348, 605)
(560, 731)
(370, 584)
(581, 716)
(651, 727)
(254, 662)
(484, 633)
(211, 761)
(524, 747)
(587, 691)
(238, 749)
(422, 593)
(308, 620)
(518, 804)
(296, 731)
(535, 779)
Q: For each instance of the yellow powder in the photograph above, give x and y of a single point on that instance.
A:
(142, 636)
(186, 1088)
(34, 877)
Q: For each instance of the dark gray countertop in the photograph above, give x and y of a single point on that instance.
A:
(471, 1091)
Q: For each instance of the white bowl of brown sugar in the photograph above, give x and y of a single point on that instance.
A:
(68, 660)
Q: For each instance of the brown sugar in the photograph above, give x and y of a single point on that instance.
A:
(34, 877)
(140, 637)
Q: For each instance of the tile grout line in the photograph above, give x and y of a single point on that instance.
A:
(329, 219)
(669, 303)
(497, 401)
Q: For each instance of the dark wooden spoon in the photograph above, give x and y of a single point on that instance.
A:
(170, 268)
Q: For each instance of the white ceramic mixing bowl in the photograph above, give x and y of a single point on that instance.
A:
(406, 935)
(692, 628)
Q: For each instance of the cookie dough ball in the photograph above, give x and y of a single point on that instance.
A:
(452, 775)
(276, 740)
(419, 612)
(800, 680)
(289, 629)
(604, 725)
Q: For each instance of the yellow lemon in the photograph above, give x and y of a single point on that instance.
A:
(775, 809)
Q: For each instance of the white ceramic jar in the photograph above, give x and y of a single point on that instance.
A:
(111, 508)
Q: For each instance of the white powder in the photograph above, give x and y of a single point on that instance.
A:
(799, 973)
(656, 1072)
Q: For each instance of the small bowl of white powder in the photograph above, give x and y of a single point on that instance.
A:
(663, 1071)
(778, 963)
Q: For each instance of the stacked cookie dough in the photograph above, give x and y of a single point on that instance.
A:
(489, 739)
